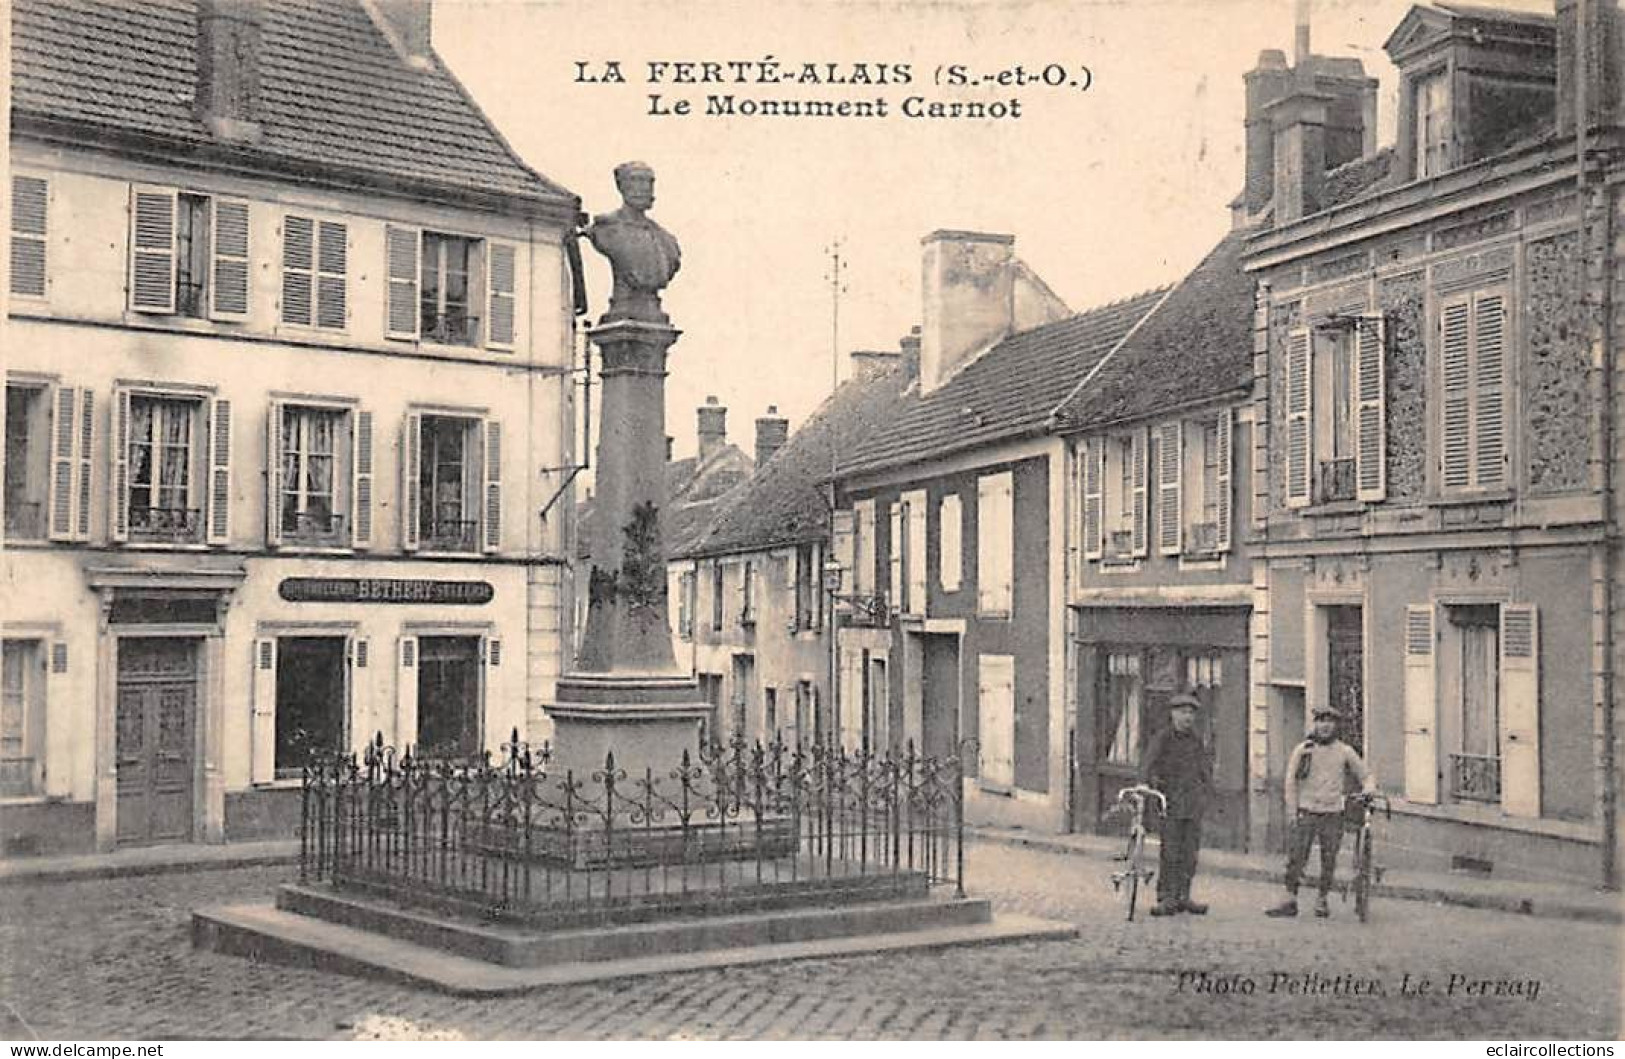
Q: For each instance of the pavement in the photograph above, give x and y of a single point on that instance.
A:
(1533, 898)
(111, 957)
(1524, 897)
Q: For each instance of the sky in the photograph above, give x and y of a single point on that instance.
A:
(1112, 187)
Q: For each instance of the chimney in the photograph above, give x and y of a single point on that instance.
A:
(867, 363)
(772, 431)
(909, 344)
(712, 427)
(228, 68)
(407, 24)
(1300, 33)
(969, 296)
(1588, 58)
(1300, 152)
(1265, 84)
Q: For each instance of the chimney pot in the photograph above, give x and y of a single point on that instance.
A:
(712, 427)
(228, 67)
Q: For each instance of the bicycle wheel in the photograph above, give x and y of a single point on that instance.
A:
(1362, 878)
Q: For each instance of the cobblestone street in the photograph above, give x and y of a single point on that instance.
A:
(112, 958)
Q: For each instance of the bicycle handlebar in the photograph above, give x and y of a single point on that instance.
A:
(1141, 792)
(1370, 798)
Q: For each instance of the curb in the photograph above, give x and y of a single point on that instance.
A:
(21, 873)
(1546, 908)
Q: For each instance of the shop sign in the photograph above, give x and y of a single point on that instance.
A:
(384, 590)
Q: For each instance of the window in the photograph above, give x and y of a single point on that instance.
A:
(310, 700)
(717, 603)
(315, 264)
(1203, 493)
(1432, 124)
(455, 463)
(877, 705)
(451, 289)
(770, 714)
(1475, 772)
(996, 721)
(28, 460)
(448, 696)
(1336, 422)
(188, 254)
(1124, 708)
(22, 716)
(30, 197)
(747, 593)
(995, 544)
(1113, 484)
(685, 606)
(1473, 424)
(808, 588)
(172, 468)
(320, 480)
(950, 542)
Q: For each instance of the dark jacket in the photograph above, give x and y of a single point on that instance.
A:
(1180, 765)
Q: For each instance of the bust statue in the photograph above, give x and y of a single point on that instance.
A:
(643, 255)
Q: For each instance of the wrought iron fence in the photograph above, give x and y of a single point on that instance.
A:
(1337, 481)
(1475, 777)
(735, 825)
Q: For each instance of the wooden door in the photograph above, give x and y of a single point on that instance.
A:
(155, 741)
(1345, 686)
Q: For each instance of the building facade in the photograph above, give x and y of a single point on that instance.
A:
(286, 392)
(1434, 488)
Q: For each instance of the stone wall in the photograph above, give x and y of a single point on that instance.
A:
(1556, 416)
(1401, 300)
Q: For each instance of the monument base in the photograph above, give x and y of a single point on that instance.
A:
(645, 720)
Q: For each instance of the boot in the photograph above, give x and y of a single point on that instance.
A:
(1286, 908)
(1167, 907)
(1195, 908)
(1323, 909)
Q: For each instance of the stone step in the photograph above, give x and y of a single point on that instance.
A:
(266, 933)
(519, 947)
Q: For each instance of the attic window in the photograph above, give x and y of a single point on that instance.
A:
(1431, 98)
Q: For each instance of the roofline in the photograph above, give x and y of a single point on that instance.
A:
(119, 141)
(1055, 412)
(490, 126)
(1165, 410)
(1028, 429)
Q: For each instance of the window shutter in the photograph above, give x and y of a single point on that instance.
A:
(298, 269)
(119, 442)
(491, 651)
(1224, 438)
(1520, 710)
(1421, 708)
(406, 692)
(951, 542)
(411, 440)
(402, 251)
(1456, 393)
(1298, 418)
(896, 556)
(1489, 376)
(229, 297)
(60, 491)
(1094, 479)
(362, 719)
(219, 471)
(995, 720)
(273, 473)
(916, 554)
(83, 483)
(1139, 470)
(500, 284)
(1170, 465)
(262, 737)
(332, 275)
(361, 479)
(851, 707)
(863, 573)
(995, 543)
(845, 554)
(493, 485)
(1370, 417)
(59, 658)
(29, 199)
(152, 249)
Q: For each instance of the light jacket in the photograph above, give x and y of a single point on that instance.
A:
(1316, 776)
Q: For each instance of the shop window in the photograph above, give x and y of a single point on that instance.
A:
(1124, 701)
(310, 701)
(449, 691)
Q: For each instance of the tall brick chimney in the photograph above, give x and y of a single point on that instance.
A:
(772, 431)
(1588, 63)
(1265, 83)
(712, 427)
(408, 25)
(969, 294)
(229, 36)
(909, 344)
(1300, 151)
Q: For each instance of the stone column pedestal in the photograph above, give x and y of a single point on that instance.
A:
(626, 694)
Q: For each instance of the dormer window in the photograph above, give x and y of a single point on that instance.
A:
(1431, 98)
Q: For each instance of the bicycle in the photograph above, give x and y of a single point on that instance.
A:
(1132, 800)
(1365, 873)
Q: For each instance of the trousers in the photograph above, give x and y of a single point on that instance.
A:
(1176, 863)
(1327, 828)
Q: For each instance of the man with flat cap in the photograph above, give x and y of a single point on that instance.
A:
(1180, 765)
(1321, 769)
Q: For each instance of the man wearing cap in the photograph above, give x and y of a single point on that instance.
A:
(1317, 775)
(1179, 764)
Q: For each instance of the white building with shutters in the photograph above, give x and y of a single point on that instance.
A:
(1435, 495)
(288, 403)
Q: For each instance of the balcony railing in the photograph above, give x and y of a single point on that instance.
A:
(1119, 545)
(170, 524)
(1475, 778)
(311, 527)
(451, 535)
(1202, 539)
(25, 520)
(1336, 481)
(869, 611)
(16, 776)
